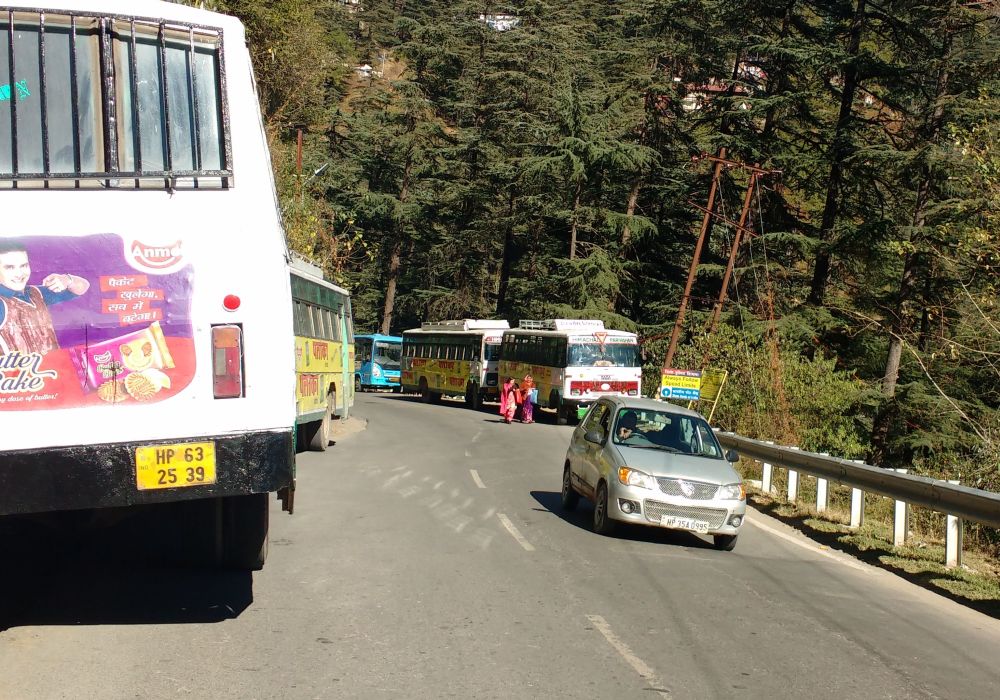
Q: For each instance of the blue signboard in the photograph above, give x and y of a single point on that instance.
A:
(676, 392)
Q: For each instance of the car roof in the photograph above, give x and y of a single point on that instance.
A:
(641, 403)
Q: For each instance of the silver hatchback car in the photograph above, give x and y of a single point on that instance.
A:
(653, 463)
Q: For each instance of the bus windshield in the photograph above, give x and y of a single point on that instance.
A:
(492, 352)
(596, 355)
(388, 355)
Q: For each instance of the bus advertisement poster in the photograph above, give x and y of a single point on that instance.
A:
(93, 320)
(680, 384)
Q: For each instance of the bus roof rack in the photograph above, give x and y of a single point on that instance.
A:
(562, 324)
(303, 264)
(464, 324)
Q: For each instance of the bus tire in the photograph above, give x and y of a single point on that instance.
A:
(436, 396)
(425, 392)
(320, 439)
(473, 398)
(245, 524)
(555, 401)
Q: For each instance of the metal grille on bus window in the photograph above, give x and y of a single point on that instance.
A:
(112, 102)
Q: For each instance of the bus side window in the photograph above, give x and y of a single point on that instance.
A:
(333, 320)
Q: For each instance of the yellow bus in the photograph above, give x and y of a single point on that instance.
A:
(453, 358)
(324, 354)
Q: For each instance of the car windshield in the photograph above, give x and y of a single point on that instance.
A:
(665, 430)
(597, 355)
(387, 355)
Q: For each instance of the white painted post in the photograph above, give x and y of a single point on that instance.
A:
(766, 477)
(901, 521)
(857, 504)
(793, 482)
(822, 491)
(953, 540)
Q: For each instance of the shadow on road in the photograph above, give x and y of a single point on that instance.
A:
(582, 517)
(61, 573)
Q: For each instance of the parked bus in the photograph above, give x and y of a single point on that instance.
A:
(324, 354)
(146, 352)
(377, 364)
(453, 358)
(573, 362)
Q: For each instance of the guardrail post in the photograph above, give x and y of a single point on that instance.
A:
(953, 540)
(766, 476)
(857, 504)
(793, 482)
(822, 491)
(901, 521)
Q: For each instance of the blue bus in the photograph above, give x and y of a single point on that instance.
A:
(376, 361)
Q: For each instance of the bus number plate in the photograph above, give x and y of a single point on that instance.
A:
(175, 466)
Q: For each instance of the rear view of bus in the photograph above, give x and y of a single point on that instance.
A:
(146, 347)
(572, 362)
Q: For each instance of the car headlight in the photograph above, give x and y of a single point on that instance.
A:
(733, 492)
(633, 477)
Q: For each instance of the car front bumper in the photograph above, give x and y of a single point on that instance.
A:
(654, 508)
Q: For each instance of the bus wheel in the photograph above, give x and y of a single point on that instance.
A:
(244, 531)
(425, 392)
(472, 396)
(321, 437)
(555, 401)
(357, 384)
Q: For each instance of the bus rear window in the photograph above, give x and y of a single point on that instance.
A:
(108, 102)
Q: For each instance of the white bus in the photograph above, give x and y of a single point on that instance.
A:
(453, 358)
(146, 340)
(573, 362)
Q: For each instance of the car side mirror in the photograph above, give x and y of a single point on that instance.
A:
(732, 456)
(594, 436)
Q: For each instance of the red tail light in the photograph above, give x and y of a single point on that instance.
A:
(227, 361)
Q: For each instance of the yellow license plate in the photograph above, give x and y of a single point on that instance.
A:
(175, 466)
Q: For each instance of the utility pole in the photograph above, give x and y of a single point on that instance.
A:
(756, 172)
(705, 223)
(740, 228)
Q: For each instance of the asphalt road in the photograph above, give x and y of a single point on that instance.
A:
(428, 558)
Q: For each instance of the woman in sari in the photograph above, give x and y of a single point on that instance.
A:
(508, 399)
(527, 408)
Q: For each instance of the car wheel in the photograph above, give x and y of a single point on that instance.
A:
(569, 497)
(724, 542)
(603, 525)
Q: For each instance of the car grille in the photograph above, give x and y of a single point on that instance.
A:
(715, 517)
(696, 490)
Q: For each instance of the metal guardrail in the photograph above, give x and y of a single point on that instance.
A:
(961, 501)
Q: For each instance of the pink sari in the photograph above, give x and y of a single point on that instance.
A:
(507, 403)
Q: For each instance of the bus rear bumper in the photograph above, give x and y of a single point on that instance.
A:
(104, 476)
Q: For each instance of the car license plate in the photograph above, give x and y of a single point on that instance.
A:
(684, 523)
(175, 466)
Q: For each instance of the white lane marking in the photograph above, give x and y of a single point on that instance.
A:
(528, 547)
(811, 547)
(476, 436)
(637, 664)
(475, 477)
(468, 453)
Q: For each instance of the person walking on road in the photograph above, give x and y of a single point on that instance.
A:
(527, 393)
(508, 399)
